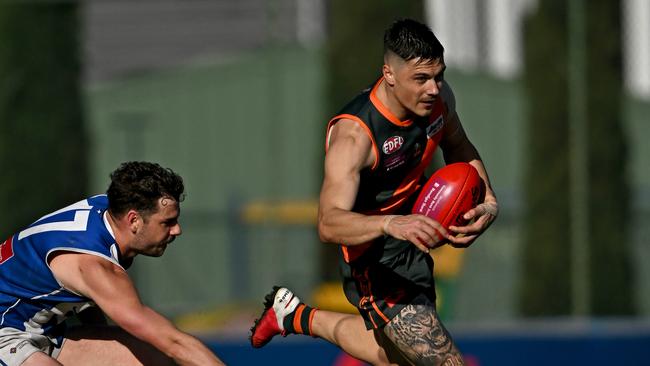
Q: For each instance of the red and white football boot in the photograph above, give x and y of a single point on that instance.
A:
(279, 303)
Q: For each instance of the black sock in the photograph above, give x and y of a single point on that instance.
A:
(299, 321)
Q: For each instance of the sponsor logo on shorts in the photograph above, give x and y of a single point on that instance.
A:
(392, 144)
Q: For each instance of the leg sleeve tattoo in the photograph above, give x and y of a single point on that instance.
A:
(420, 336)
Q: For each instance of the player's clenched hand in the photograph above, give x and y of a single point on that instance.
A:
(420, 230)
(480, 218)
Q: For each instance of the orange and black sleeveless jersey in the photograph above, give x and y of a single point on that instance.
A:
(403, 149)
(381, 277)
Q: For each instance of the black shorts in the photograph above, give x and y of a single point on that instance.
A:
(390, 275)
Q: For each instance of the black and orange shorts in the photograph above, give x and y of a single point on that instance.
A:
(390, 275)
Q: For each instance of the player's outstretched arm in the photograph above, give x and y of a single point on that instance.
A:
(110, 287)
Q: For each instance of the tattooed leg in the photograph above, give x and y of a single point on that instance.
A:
(418, 333)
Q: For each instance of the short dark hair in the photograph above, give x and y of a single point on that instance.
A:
(410, 39)
(139, 185)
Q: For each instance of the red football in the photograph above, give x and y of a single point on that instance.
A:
(449, 193)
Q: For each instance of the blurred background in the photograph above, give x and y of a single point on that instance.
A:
(235, 96)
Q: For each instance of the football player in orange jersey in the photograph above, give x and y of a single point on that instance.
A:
(377, 149)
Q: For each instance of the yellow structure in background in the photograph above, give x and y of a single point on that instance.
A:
(448, 261)
(283, 213)
(330, 296)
